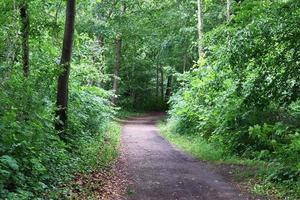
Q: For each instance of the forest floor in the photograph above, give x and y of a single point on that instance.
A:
(156, 170)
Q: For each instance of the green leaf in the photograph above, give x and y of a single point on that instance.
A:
(9, 162)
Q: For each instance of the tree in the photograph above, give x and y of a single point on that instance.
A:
(200, 28)
(25, 27)
(118, 60)
(118, 55)
(161, 83)
(62, 86)
(169, 87)
(228, 10)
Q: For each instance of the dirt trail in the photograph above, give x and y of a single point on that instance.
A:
(160, 172)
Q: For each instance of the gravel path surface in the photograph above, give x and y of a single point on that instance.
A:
(158, 171)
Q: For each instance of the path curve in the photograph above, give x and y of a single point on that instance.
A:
(158, 171)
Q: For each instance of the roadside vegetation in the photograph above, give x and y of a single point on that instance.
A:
(42, 150)
(252, 174)
(242, 99)
(227, 72)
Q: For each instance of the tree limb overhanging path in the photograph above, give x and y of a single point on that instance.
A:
(158, 171)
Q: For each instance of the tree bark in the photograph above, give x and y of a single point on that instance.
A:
(162, 83)
(184, 62)
(200, 29)
(101, 41)
(157, 81)
(118, 61)
(118, 57)
(100, 58)
(62, 86)
(25, 27)
(228, 10)
(169, 88)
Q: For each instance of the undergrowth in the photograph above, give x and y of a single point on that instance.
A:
(101, 154)
(256, 176)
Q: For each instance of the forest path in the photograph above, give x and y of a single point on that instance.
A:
(158, 171)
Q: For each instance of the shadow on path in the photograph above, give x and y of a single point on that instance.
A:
(160, 172)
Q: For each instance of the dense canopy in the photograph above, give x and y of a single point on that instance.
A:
(226, 71)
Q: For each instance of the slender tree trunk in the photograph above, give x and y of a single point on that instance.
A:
(101, 41)
(162, 83)
(62, 86)
(118, 61)
(56, 20)
(100, 58)
(169, 88)
(157, 81)
(228, 10)
(200, 28)
(184, 62)
(25, 27)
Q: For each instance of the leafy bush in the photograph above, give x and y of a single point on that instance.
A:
(33, 158)
(245, 94)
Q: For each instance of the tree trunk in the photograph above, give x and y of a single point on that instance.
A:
(118, 61)
(184, 62)
(62, 86)
(228, 10)
(25, 27)
(169, 88)
(200, 28)
(100, 58)
(162, 83)
(101, 41)
(157, 81)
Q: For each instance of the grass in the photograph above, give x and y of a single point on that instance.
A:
(192, 144)
(122, 114)
(109, 148)
(199, 147)
(256, 181)
(100, 155)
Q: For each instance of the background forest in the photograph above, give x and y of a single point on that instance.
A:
(227, 71)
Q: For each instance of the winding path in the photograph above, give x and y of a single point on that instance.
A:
(159, 171)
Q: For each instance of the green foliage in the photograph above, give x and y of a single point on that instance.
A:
(242, 98)
(33, 157)
(35, 163)
(193, 144)
(245, 94)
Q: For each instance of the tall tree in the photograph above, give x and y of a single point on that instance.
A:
(184, 61)
(118, 60)
(200, 28)
(169, 87)
(161, 82)
(25, 27)
(118, 57)
(62, 86)
(228, 10)
(157, 81)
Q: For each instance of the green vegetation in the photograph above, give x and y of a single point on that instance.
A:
(193, 144)
(253, 174)
(227, 71)
(123, 114)
(37, 159)
(100, 154)
(243, 96)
